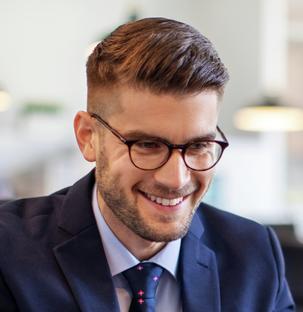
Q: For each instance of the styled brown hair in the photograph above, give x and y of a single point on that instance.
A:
(162, 55)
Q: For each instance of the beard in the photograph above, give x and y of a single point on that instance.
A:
(127, 211)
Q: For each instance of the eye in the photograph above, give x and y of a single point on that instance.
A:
(200, 148)
(147, 144)
(149, 148)
(200, 145)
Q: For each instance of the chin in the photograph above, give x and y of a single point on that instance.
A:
(156, 234)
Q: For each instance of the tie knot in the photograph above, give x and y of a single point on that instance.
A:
(143, 280)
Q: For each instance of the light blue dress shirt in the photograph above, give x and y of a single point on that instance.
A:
(119, 258)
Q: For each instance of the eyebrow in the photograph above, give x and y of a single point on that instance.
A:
(138, 135)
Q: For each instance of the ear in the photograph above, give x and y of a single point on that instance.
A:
(85, 135)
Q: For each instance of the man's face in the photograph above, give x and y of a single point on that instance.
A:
(156, 205)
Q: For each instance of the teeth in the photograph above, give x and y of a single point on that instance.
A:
(165, 201)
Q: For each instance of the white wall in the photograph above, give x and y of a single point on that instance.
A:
(43, 45)
(42, 57)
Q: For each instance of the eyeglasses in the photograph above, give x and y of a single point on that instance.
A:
(151, 154)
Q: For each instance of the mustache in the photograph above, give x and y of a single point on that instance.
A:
(165, 191)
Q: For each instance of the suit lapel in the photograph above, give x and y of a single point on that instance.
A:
(81, 256)
(198, 273)
(85, 268)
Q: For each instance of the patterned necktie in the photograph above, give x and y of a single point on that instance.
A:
(143, 280)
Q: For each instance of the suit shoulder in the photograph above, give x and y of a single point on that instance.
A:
(249, 250)
(28, 208)
(229, 225)
(233, 236)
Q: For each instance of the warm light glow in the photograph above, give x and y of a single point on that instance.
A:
(4, 101)
(269, 118)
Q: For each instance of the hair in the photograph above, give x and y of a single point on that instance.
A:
(159, 54)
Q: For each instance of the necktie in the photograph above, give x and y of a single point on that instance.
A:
(143, 280)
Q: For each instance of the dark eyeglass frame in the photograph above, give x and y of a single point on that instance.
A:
(183, 147)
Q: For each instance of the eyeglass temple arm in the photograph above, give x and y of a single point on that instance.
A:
(106, 125)
(223, 135)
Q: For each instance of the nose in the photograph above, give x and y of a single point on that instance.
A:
(174, 174)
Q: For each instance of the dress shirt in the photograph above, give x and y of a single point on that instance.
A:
(119, 259)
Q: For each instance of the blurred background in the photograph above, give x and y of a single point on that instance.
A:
(44, 47)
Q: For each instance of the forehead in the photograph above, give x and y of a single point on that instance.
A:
(173, 117)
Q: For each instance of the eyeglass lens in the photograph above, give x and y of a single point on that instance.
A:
(153, 154)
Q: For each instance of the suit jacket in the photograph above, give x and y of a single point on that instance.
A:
(52, 259)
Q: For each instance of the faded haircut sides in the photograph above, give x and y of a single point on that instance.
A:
(158, 54)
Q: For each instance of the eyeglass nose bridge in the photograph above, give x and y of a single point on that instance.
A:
(171, 147)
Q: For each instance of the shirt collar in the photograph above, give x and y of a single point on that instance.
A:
(119, 258)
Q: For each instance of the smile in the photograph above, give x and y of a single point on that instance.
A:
(164, 201)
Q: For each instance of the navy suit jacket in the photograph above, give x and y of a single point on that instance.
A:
(52, 259)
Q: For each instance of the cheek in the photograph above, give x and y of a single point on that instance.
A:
(116, 157)
(125, 173)
(204, 179)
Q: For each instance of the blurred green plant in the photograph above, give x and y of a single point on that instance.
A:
(41, 107)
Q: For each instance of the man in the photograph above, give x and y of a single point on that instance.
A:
(154, 88)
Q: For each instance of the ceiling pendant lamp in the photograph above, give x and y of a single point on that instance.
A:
(270, 115)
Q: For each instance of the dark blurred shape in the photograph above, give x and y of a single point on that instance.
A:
(293, 253)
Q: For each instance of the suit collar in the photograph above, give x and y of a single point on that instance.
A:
(81, 256)
(76, 213)
(198, 272)
(196, 227)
